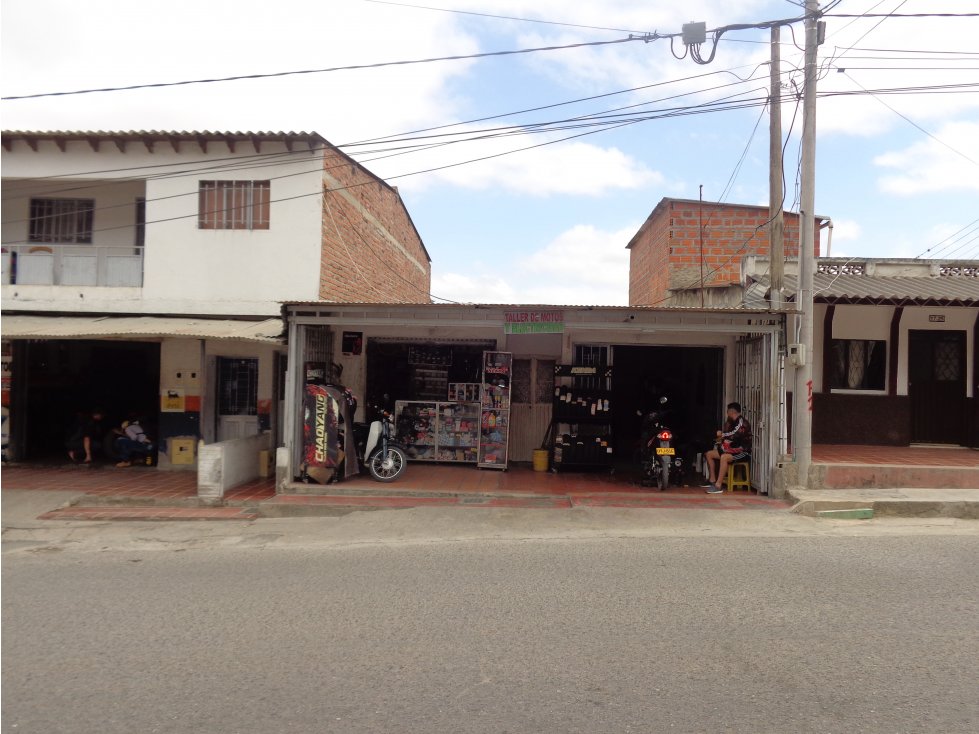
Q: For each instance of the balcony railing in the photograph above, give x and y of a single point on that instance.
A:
(76, 265)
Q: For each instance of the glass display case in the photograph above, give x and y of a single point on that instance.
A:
(438, 431)
(494, 432)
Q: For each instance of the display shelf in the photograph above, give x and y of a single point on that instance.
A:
(581, 419)
(494, 431)
(464, 392)
(438, 431)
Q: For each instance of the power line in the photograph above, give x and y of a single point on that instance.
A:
(944, 244)
(911, 122)
(350, 67)
(900, 15)
(501, 17)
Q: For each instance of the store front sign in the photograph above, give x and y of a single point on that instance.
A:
(533, 322)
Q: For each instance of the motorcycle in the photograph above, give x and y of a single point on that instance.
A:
(384, 457)
(659, 459)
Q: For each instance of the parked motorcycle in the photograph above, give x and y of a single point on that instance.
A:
(660, 463)
(384, 457)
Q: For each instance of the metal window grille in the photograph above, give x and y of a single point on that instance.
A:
(591, 356)
(234, 204)
(61, 220)
(140, 221)
(237, 386)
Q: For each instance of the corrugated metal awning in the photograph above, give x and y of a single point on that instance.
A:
(899, 291)
(79, 327)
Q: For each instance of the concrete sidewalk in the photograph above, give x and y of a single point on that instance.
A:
(866, 503)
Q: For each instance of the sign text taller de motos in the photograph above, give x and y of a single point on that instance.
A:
(533, 322)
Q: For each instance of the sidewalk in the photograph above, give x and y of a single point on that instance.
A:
(908, 502)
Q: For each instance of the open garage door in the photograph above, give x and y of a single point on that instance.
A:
(758, 381)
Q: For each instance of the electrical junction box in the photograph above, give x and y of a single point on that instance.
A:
(797, 354)
(694, 34)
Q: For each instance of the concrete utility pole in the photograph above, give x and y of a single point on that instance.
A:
(802, 395)
(776, 194)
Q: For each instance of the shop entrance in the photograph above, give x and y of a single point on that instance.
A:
(690, 377)
(62, 378)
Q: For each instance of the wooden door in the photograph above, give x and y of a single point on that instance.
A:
(937, 386)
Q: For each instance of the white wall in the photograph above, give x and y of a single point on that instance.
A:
(862, 322)
(186, 270)
(114, 220)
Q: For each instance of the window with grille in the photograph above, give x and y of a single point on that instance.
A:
(858, 364)
(234, 204)
(237, 386)
(61, 220)
(589, 355)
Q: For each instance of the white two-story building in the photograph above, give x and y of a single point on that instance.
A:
(143, 271)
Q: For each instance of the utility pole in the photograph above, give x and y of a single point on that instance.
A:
(802, 395)
(776, 195)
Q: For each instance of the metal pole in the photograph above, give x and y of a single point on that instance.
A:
(700, 224)
(802, 396)
(776, 194)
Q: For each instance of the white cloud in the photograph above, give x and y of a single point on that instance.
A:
(929, 166)
(846, 229)
(573, 168)
(582, 265)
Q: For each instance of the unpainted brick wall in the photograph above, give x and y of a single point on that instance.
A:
(371, 252)
(672, 237)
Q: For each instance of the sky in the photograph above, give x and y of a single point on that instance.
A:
(897, 171)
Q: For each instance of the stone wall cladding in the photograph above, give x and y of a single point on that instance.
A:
(371, 252)
(672, 237)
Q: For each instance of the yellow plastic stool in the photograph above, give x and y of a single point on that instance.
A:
(744, 482)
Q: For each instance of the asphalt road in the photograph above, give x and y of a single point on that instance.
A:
(658, 634)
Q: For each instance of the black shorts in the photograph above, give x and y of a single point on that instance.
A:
(740, 456)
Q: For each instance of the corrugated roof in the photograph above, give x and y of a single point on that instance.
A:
(520, 306)
(160, 134)
(847, 288)
(54, 327)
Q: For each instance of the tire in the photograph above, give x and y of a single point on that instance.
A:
(664, 473)
(387, 471)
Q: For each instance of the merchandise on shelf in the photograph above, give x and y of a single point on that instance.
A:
(464, 392)
(438, 431)
(494, 425)
(581, 417)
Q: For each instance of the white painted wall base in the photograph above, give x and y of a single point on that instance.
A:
(226, 464)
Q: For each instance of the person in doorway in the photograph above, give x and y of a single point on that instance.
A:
(733, 443)
(131, 441)
(86, 433)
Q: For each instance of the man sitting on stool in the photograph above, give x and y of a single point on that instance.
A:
(733, 444)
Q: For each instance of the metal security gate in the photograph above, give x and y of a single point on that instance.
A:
(758, 387)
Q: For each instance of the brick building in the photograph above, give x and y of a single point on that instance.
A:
(371, 250)
(684, 240)
(143, 273)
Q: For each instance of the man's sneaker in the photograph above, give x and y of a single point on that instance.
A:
(715, 490)
(706, 484)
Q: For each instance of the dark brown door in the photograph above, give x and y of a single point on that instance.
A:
(936, 386)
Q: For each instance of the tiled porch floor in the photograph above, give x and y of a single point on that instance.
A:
(136, 482)
(913, 456)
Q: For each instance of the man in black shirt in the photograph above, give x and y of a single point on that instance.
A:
(733, 444)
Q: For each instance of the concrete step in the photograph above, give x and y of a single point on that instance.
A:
(297, 489)
(893, 476)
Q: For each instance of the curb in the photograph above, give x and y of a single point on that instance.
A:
(884, 507)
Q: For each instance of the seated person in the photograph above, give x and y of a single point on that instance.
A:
(733, 444)
(132, 441)
(85, 434)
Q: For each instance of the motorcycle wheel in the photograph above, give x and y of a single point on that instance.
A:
(387, 469)
(664, 474)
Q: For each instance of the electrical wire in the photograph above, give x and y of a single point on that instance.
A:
(349, 67)
(911, 122)
(941, 245)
